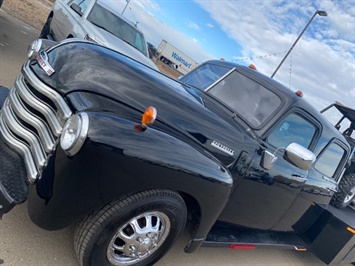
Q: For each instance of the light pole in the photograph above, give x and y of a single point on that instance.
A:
(318, 12)
(125, 7)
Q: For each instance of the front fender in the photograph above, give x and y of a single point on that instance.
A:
(117, 161)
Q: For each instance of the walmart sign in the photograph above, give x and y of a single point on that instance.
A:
(181, 60)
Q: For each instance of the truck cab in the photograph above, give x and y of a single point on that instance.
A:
(275, 117)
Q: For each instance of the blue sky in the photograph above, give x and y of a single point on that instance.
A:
(322, 63)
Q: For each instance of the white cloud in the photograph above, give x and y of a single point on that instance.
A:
(193, 25)
(210, 25)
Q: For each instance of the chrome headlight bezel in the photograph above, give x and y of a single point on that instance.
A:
(74, 133)
(38, 45)
(34, 48)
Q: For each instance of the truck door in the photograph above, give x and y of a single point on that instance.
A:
(323, 177)
(263, 196)
(321, 183)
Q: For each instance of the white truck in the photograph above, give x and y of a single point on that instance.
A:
(173, 57)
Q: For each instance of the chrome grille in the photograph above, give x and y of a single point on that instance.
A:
(30, 124)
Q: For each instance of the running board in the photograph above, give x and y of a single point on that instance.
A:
(223, 235)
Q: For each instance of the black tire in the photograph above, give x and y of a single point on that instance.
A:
(346, 192)
(106, 234)
(4, 92)
(46, 29)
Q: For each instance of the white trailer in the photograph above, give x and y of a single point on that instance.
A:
(173, 57)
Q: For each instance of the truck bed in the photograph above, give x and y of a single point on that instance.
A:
(329, 233)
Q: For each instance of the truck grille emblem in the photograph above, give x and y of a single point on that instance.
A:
(42, 59)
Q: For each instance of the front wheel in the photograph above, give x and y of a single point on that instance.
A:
(138, 230)
(346, 192)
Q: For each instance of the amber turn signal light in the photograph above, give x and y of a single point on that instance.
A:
(351, 230)
(149, 116)
(299, 93)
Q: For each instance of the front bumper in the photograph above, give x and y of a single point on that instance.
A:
(13, 185)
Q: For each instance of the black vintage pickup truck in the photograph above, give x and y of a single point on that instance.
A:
(91, 137)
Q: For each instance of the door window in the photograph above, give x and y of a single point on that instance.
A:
(330, 159)
(293, 129)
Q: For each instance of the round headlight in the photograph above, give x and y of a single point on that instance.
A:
(37, 45)
(74, 133)
(34, 48)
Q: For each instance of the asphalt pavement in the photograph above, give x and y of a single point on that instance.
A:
(23, 243)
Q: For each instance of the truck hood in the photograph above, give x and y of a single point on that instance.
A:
(88, 67)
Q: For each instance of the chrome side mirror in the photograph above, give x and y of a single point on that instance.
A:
(76, 8)
(268, 160)
(299, 156)
(294, 153)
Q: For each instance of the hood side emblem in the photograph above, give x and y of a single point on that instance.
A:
(42, 59)
(223, 148)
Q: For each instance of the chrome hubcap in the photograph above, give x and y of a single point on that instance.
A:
(350, 196)
(138, 238)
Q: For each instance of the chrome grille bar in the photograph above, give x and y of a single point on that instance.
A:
(22, 148)
(21, 111)
(35, 103)
(58, 101)
(28, 136)
(31, 123)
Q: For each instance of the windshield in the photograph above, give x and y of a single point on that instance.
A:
(110, 22)
(254, 103)
(204, 76)
(251, 101)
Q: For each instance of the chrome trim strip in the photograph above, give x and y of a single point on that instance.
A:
(42, 129)
(28, 136)
(33, 101)
(38, 85)
(32, 172)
